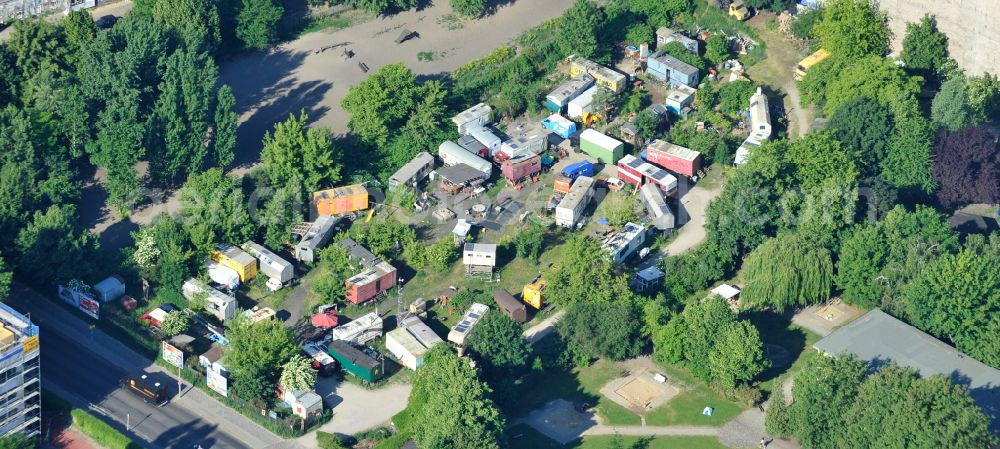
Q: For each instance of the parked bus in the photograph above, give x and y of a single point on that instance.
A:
(809, 61)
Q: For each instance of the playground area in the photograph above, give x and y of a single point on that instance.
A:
(640, 391)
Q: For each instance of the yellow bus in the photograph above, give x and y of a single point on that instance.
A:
(811, 60)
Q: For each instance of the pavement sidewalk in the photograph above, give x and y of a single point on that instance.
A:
(56, 319)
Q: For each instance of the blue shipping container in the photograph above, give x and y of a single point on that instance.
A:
(559, 125)
(584, 168)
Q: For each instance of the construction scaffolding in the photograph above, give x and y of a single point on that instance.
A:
(11, 10)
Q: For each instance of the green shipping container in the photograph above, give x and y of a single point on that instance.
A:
(605, 149)
(356, 362)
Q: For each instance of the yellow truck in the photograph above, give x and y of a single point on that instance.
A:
(809, 61)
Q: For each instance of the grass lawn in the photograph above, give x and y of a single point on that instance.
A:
(686, 408)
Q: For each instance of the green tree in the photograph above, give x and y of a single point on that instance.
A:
(607, 329)
(818, 157)
(734, 97)
(171, 259)
(530, 241)
(823, 393)
(864, 127)
(804, 25)
(385, 238)
(717, 49)
(383, 101)
(925, 49)
(738, 355)
(787, 271)
(17, 441)
(926, 413)
(284, 209)
(6, 277)
(873, 77)
(295, 151)
(226, 121)
(469, 8)
(257, 23)
(679, 51)
(51, 247)
(214, 210)
(874, 261)
(80, 31)
(453, 407)
(261, 347)
(669, 341)
(647, 125)
(950, 107)
(297, 374)
(984, 96)
(251, 386)
(195, 23)
(640, 33)
(580, 276)
(776, 416)
(577, 29)
(953, 298)
(176, 135)
(176, 322)
(704, 322)
(498, 341)
(853, 29)
(442, 254)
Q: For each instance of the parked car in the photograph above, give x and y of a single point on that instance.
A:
(107, 21)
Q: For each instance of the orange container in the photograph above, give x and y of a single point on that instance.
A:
(341, 200)
(562, 184)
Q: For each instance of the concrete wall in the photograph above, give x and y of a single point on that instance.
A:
(972, 26)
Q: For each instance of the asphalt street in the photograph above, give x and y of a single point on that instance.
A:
(72, 368)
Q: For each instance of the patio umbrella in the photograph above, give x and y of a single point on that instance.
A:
(324, 320)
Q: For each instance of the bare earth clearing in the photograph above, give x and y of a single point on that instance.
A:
(297, 76)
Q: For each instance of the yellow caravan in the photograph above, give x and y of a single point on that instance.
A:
(809, 61)
(230, 256)
(603, 76)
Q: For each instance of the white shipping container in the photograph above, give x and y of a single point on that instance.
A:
(485, 137)
(271, 265)
(453, 154)
(405, 348)
(581, 104)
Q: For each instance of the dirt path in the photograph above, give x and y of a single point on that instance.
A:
(776, 70)
(691, 217)
(535, 333)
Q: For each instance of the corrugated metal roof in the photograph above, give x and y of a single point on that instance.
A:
(674, 64)
(880, 338)
(412, 168)
(676, 150)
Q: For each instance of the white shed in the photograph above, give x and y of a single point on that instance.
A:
(478, 114)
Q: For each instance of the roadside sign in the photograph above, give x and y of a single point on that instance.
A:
(172, 355)
(217, 382)
(81, 301)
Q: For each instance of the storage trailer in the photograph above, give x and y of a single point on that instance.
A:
(356, 362)
(519, 168)
(279, 270)
(557, 100)
(570, 209)
(453, 154)
(315, 238)
(560, 125)
(365, 286)
(582, 168)
(601, 147)
(510, 306)
(581, 104)
(237, 259)
(413, 172)
(675, 158)
(341, 200)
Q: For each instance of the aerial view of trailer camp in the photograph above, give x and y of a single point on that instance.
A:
(499, 224)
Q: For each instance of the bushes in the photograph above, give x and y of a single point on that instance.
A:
(99, 431)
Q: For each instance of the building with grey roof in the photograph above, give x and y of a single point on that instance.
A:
(413, 172)
(880, 339)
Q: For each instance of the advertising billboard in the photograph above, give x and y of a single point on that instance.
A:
(172, 355)
(81, 301)
(217, 382)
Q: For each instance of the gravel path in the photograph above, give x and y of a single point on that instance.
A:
(747, 429)
(540, 330)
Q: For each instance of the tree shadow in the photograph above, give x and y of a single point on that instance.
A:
(775, 329)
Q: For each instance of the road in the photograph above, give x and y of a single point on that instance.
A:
(537, 332)
(85, 364)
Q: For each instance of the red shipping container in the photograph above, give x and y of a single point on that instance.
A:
(517, 169)
(675, 158)
(367, 285)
